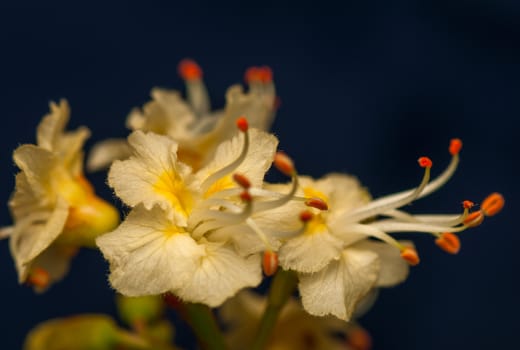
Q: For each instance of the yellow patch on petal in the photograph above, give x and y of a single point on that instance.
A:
(171, 186)
(317, 224)
(221, 184)
(310, 192)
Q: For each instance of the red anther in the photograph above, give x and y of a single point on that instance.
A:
(448, 242)
(266, 74)
(283, 163)
(493, 204)
(317, 203)
(189, 69)
(306, 216)
(270, 262)
(39, 278)
(253, 74)
(425, 162)
(242, 180)
(246, 196)
(359, 339)
(242, 124)
(467, 204)
(455, 146)
(410, 256)
(474, 219)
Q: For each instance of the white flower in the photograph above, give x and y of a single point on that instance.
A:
(196, 129)
(334, 253)
(53, 206)
(170, 240)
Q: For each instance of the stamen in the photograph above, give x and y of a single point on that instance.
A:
(493, 204)
(455, 146)
(246, 196)
(189, 69)
(448, 242)
(382, 205)
(317, 203)
(265, 74)
(242, 180)
(306, 216)
(270, 262)
(474, 219)
(242, 126)
(467, 204)
(283, 163)
(39, 278)
(253, 75)
(410, 256)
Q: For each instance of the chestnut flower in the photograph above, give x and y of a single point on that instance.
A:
(196, 129)
(54, 208)
(169, 242)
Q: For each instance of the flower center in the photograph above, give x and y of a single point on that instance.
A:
(173, 188)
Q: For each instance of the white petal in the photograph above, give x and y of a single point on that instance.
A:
(153, 175)
(393, 269)
(258, 160)
(52, 125)
(148, 254)
(221, 274)
(340, 285)
(309, 252)
(105, 152)
(30, 238)
(38, 165)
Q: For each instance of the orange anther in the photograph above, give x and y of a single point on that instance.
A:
(39, 278)
(425, 162)
(410, 256)
(474, 219)
(359, 339)
(189, 69)
(448, 242)
(467, 204)
(270, 262)
(242, 180)
(246, 196)
(266, 74)
(455, 146)
(317, 203)
(283, 163)
(253, 74)
(242, 124)
(493, 204)
(306, 216)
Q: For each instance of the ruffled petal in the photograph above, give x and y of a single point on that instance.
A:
(105, 152)
(394, 269)
(38, 165)
(148, 254)
(338, 287)
(221, 273)
(52, 125)
(310, 252)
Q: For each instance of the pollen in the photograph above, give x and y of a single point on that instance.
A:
(448, 242)
(468, 204)
(317, 203)
(265, 74)
(306, 216)
(493, 204)
(283, 163)
(270, 262)
(242, 180)
(455, 146)
(242, 124)
(39, 278)
(410, 256)
(425, 162)
(253, 74)
(189, 70)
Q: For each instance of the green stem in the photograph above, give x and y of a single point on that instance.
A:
(204, 325)
(282, 287)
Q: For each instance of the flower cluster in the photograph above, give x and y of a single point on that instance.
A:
(203, 223)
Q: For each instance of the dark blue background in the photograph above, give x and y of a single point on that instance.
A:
(366, 88)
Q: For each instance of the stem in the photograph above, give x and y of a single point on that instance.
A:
(203, 323)
(282, 287)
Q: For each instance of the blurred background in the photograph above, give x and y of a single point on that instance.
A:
(366, 87)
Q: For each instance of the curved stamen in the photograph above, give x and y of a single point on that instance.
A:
(385, 204)
(243, 127)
